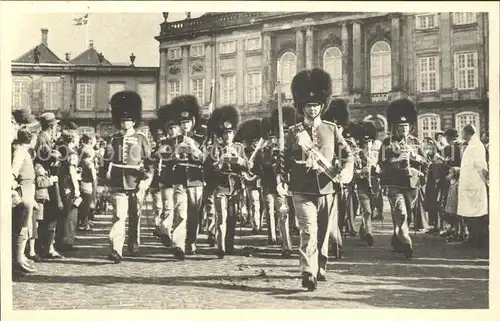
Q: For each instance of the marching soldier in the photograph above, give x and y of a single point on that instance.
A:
(311, 147)
(249, 134)
(156, 130)
(363, 177)
(224, 165)
(187, 174)
(276, 203)
(402, 167)
(128, 176)
(165, 155)
(338, 113)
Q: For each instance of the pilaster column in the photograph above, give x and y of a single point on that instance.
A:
(163, 77)
(240, 72)
(299, 48)
(309, 47)
(209, 72)
(266, 67)
(186, 71)
(357, 56)
(345, 59)
(396, 52)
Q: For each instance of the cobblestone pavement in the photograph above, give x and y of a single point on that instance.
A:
(439, 276)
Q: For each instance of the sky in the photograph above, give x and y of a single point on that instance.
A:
(116, 35)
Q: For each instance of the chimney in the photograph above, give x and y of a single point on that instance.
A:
(44, 36)
(68, 56)
(91, 43)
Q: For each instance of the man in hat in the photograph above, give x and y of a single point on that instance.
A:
(403, 165)
(156, 129)
(224, 165)
(363, 177)
(276, 204)
(48, 156)
(187, 172)
(23, 185)
(249, 134)
(311, 147)
(168, 233)
(338, 113)
(128, 175)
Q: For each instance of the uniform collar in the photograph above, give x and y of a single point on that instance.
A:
(312, 123)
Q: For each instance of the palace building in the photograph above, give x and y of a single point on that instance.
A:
(439, 60)
(79, 89)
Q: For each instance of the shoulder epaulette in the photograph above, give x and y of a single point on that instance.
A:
(329, 123)
(141, 134)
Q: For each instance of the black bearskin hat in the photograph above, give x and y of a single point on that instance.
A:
(401, 111)
(311, 86)
(222, 119)
(368, 131)
(154, 125)
(266, 128)
(337, 112)
(126, 104)
(186, 107)
(352, 130)
(249, 130)
(166, 115)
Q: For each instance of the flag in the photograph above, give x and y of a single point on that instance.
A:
(81, 21)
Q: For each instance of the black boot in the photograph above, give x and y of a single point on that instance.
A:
(309, 281)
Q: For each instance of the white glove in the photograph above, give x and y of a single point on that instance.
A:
(282, 189)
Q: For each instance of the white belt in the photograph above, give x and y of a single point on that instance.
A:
(125, 166)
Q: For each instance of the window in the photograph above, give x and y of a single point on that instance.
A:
(113, 88)
(228, 86)
(174, 89)
(21, 93)
(198, 50)
(146, 132)
(254, 87)
(228, 47)
(429, 74)
(198, 89)
(147, 91)
(332, 64)
(466, 70)
(288, 64)
(253, 44)
(463, 18)
(86, 130)
(466, 118)
(380, 63)
(174, 53)
(85, 96)
(428, 125)
(427, 21)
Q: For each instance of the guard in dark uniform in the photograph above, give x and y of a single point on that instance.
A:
(187, 174)
(225, 164)
(310, 150)
(157, 131)
(249, 134)
(276, 204)
(338, 113)
(165, 154)
(128, 176)
(364, 175)
(403, 166)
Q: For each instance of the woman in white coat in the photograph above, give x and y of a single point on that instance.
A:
(472, 186)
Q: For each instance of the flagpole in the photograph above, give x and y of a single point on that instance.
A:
(87, 33)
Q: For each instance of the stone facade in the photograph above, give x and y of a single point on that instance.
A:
(309, 34)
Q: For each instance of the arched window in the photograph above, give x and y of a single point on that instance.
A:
(428, 125)
(332, 64)
(465, 118)
(380, 67)
(288, 62)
